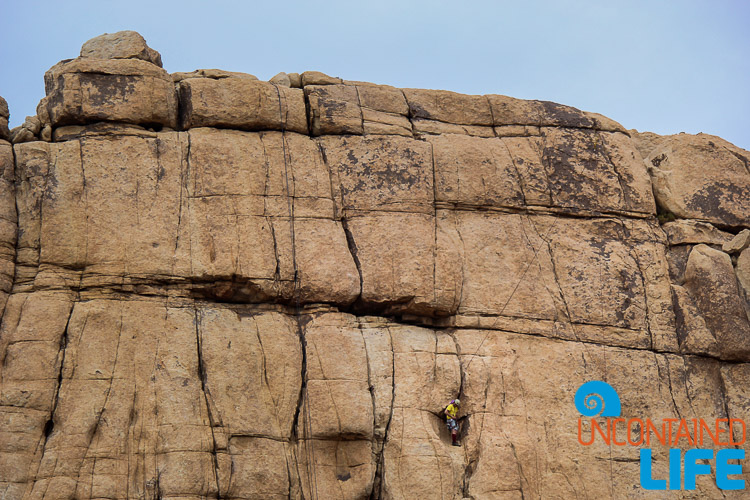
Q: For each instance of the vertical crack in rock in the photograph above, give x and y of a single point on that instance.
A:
(288, 477)
(291, 198)
(599, 144)
(100, 413)
(492, 114)
(49, 425)
(4, 352)
(269, 220)
(12, 275)
(361, 113)
(460, 296)
(724, 392)
(237, 233)
(545, 161)
(85, 196)
(63, 350)
(371, 389)
(378, 483)
(554, 271)
(469, 464)
(263, 363)
(668, 369)
(137, 202)
(277, 270)
(283, 108)
(132, 415)
(160, 171)
(184, 180)
(452, 334)
(302, 415)
(536, 258)
(521, 184)
(434, 224)
(352, 245)
(302, 399)
(43, 196)
(303, 385)
(521, 475)
(324, 158)
(641, 274)
(197, 320)
(308, 112)
(414, 134)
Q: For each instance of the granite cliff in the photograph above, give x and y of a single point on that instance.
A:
(219, 287)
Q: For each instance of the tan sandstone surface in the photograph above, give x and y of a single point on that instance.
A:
(217, 287)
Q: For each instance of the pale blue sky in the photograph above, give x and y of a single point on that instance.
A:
(651, 65)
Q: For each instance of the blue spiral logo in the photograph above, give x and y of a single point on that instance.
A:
(597, 398)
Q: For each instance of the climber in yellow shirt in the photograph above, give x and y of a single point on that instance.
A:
(450, 415)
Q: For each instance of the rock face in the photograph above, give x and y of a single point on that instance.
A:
(4, 115)
(86, 90)
(217, 287)
(120, 45)
(684, 186)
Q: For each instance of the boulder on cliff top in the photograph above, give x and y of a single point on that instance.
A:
(27, 131)
(4, 115)
(4, 130)
(511, 111)
(241, 103)
(318, 78)
(120, 45)
(86, 90)
(281, 79)
(684, 186)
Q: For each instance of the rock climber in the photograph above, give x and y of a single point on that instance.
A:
(450, 415)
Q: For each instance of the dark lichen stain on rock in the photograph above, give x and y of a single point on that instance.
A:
(385, 167)
(713, 198)
(657, 160)
(565, 116)
(417, 111)
(107, 89)
(571, 162)
(333, 108)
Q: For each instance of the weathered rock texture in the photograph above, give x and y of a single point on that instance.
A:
(219, 287)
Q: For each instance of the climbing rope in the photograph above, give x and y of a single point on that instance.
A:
(597, 213)
(520, 280)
